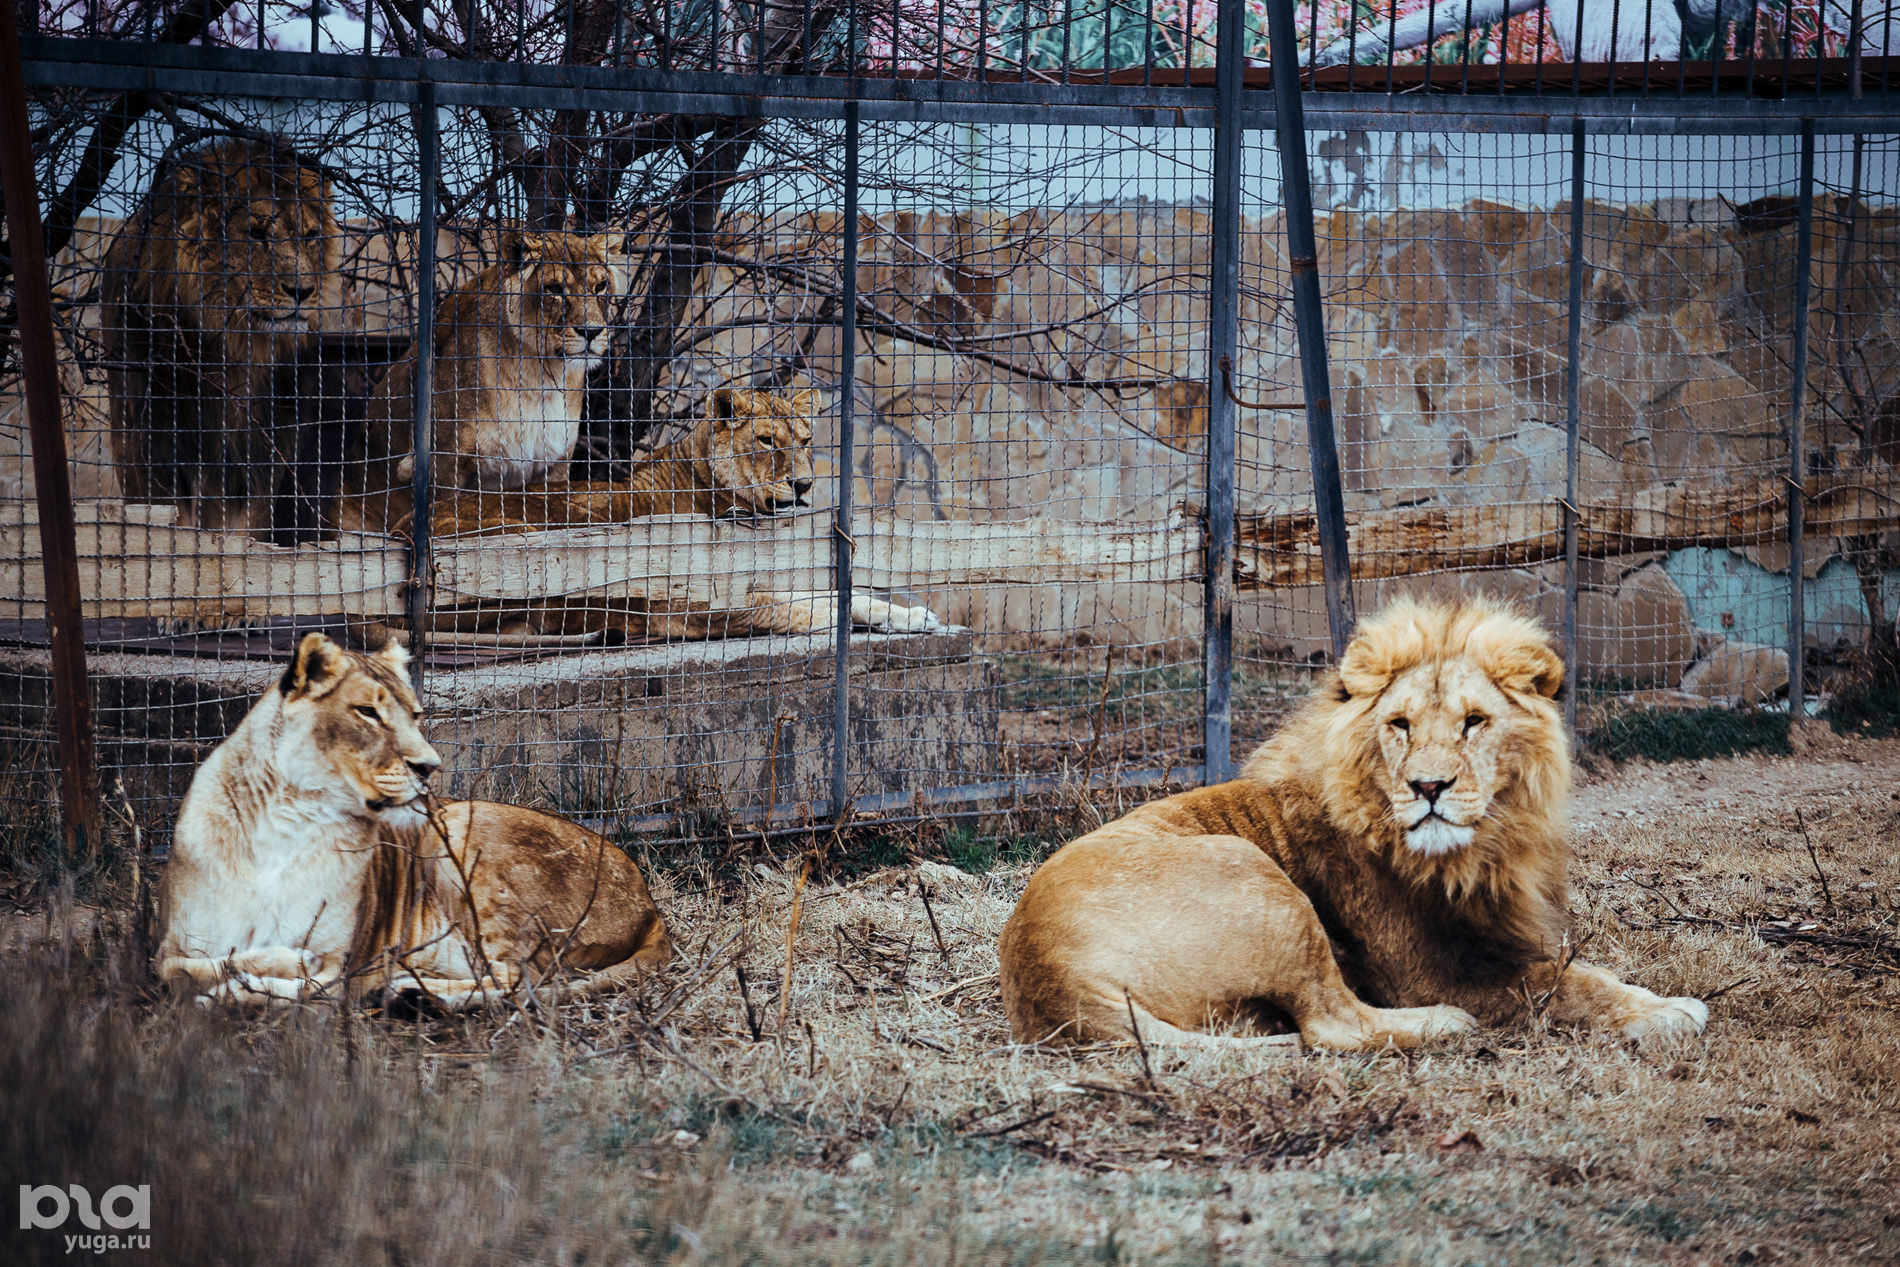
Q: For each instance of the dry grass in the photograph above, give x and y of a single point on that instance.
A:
(891, 1121)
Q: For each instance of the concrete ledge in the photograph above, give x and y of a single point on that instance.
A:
(698, 728)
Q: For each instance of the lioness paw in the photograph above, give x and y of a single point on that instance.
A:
(1672, 1019)
(882, 617)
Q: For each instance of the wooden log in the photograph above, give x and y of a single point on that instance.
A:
(1279, 550)
(140, 565)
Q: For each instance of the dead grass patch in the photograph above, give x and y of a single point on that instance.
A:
(892, 1120)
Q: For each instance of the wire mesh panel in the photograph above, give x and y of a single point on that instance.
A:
(219, 315)
(1042, 381)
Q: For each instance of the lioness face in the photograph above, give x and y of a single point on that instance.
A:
(564, 290)
(1444, 731)
(351, 732)
(265, 238)
(762, 448)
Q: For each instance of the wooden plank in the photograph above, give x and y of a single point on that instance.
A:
(1277, 550)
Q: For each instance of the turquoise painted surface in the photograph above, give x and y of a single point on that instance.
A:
(1721, 583)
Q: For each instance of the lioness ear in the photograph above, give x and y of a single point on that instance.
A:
(805, 400)
(393, 651)
(317, 666)
(727, 406)
(514, 248)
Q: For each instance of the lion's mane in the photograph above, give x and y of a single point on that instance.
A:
(210, 295)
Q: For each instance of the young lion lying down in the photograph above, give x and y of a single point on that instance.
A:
(1389, 868)
(305, 862)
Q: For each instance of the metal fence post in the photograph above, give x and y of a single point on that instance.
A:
(1309, 322)
(1223, 334)
(841, 521)
(1573, 425)
(422, 440)
(52, 480)
(1797, 428)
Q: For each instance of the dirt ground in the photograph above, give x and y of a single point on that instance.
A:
(889, 1118)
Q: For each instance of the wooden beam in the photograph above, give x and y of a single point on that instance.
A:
(1280, 550)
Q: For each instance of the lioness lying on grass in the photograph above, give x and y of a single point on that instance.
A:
(308, 861)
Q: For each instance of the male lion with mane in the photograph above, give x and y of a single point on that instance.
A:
(210, 295)
(1387, 869)
(306, 862)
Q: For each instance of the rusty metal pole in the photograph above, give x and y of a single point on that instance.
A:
(1309, 323)
(59, 550)
(1797, 433)
(1223, 320)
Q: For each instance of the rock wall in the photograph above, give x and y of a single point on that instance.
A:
(1447, 335)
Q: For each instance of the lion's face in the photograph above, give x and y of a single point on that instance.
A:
(256, 243)
(1441, 730)
(351, 733)
(1451, 710)
(560, 290)
(761, 448)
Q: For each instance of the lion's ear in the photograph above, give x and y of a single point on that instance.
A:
(805, 400)
(318, 665)
(1378, 653)
(515, 249)
(1528, 667)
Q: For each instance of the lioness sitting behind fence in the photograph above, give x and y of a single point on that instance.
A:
(307, 862)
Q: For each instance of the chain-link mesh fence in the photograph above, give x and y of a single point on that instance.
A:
(561, 392)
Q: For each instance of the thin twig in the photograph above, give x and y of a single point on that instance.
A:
(1827, 895)
(1043, 1116)
(745, 995)
(923, 891)
(791, 941)
(1134, 1027)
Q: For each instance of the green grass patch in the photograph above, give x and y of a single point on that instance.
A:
(1868, 709)
(1662, 735)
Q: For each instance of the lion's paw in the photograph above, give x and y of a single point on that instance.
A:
(1672, 1019)
(1444, 1022)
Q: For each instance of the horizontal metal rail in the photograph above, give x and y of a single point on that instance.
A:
(113, 67)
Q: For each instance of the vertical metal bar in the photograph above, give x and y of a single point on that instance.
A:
(422, 437)
(841, 522)
(1573, 425)
(1797, 428)
(1309, 322)
(1223, 335)
(52, 481)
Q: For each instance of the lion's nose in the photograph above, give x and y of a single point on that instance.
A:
(588, 333)
(1431, 789)
(423, 769)
(300, 293)
(801, 487)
